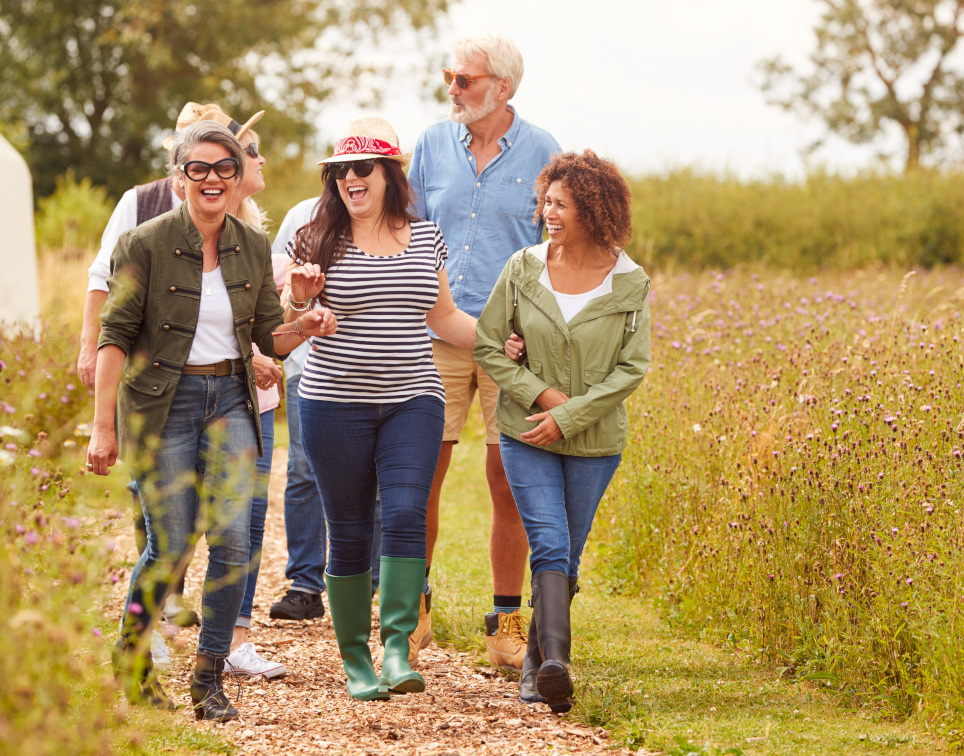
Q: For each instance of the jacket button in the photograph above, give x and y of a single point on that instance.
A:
(157, 365)
(250, 321)
(155, 388)
(166, 326)
(247, 286)
(177, 253)
(237, 248)
(172, 289)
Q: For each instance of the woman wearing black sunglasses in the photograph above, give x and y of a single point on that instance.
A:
(189, 292)
(371, 400)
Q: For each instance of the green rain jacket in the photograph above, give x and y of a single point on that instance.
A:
(598, 358)
(152, 310)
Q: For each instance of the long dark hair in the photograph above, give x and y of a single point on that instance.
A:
(324, 240)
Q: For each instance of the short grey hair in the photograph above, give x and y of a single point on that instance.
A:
(505, 60)
(205, 132)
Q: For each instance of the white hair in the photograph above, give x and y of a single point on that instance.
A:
(504, 58)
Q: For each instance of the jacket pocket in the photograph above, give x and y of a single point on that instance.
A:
(592, 377)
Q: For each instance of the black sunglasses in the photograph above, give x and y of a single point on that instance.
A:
(198, 170)
(361, 168)
(252, 150)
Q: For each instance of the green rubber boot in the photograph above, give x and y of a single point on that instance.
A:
(400, 594)
(350, 600)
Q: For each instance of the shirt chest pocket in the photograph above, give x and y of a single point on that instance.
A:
(516, 196)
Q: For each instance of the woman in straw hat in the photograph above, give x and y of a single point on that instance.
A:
(371, 400)
(190, 291)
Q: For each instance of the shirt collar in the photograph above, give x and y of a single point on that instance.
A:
(506, 140)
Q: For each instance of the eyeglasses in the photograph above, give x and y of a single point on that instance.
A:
(361, 168)
(198, 170)
(252, 150)
(461, 79)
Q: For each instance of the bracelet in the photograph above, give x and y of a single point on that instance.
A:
(298, 330)
(298, 306)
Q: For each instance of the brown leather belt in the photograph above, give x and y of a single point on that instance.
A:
(224, 367)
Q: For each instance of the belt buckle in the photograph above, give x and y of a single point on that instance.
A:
(223, 368)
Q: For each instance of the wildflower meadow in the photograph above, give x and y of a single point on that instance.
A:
(793, 483)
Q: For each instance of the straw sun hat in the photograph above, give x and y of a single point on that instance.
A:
(367, 138)
(194, 112)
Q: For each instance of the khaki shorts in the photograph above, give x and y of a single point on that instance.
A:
(462, 376)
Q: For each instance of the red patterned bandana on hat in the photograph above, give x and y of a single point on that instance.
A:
(355, 145)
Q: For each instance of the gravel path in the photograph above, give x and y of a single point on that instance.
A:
(465, 709)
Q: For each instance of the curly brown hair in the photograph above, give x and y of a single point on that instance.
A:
(602, 198)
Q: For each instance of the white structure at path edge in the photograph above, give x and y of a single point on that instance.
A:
(19, 297)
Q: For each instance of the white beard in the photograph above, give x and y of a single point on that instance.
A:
(471, 115)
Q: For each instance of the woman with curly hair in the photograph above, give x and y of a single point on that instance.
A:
(582, 307)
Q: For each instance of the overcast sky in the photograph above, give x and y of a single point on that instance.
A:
(652, 84)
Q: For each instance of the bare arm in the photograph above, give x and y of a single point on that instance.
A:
(87, 359)
(102, 450)
(447, 320)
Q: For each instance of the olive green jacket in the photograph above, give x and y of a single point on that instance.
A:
(598, 358)
(152, 310)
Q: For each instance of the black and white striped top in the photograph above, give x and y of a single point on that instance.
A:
(381, 352)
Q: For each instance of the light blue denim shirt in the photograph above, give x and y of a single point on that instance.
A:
(485, 217)
(295, 218)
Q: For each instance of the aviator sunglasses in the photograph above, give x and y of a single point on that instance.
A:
(461, 79)
(198, 170)
(361, 168)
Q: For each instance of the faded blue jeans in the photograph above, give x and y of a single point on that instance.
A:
(259, 512)
(355, 448)
(557, 496)
(199, 480)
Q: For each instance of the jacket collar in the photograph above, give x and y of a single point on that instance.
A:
(230, 240)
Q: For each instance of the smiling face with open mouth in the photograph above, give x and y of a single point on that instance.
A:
(212, 195)
(561, 218)
(364, 196)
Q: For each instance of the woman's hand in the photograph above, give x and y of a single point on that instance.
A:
(102, 450)
(267, 372)
(545, 433)
(318, 322)
(551, 398)
(307, 281)
(515, 348)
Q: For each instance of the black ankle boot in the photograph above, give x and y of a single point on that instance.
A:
(531, 662)
(134, 670)
(207, 692)
(551, 618)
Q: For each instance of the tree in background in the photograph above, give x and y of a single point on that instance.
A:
(95, 85)
(877, 64)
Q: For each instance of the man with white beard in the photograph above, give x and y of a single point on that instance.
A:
(474, 175)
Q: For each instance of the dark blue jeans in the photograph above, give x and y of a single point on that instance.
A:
(304, 513)
(354, 448)
(199, 480)
(557, 496)
(259, 512)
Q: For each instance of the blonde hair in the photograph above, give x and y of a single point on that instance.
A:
(250, 211)
(504, 58)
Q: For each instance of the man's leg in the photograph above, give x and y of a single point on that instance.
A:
(505, 630)
(304, 525)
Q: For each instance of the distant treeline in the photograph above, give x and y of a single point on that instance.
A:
(687, 219)
(683, 219)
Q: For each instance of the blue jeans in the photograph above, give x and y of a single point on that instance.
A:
(304, 513)
(259, 512)
(199, 480)
(354, 448)
(557, 496)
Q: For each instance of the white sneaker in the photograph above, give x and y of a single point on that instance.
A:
(159, 653)
(245, 661)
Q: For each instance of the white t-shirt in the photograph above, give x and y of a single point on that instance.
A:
(214, 339)
(571, 304)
